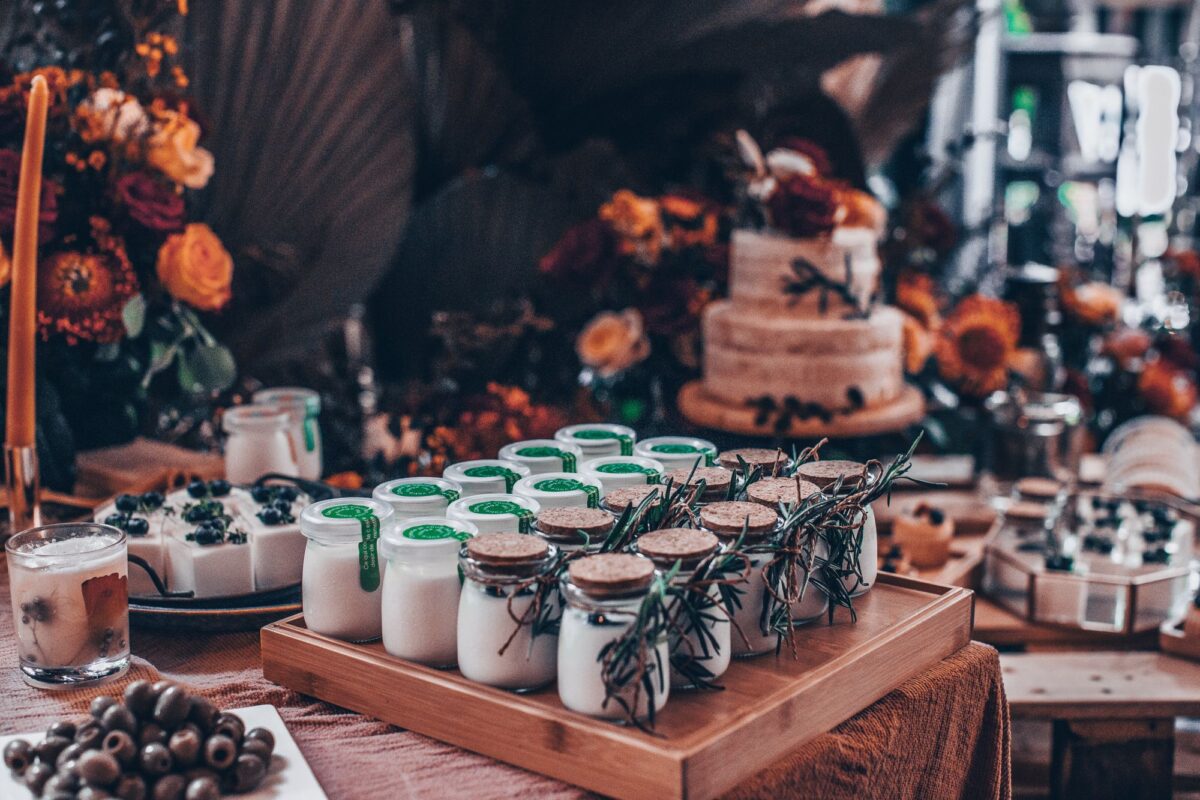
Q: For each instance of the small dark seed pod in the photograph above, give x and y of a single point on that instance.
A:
(156, 759)
(92, 793)
(120, 745)
(140, 699)
(47, 749)
(61, 781)
(263, 735)
(204, 714)
(193, 727)
(257, 747)
(203, 789)
(161, 686)
(101, 704)
(170, 787)
(185, 747)
(62, 728)
(172, 707)
(249, 771)
(131, 787)
(99, 768)
(220, 752)
(152, 733)
(36, 776)
(119, 718)
(230, 725)
(18, 754)
(90, 735)
(72, 753)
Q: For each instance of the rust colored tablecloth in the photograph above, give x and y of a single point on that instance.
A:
(944, 734)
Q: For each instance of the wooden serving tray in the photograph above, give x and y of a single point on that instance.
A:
(1172, 640)
(708, 742)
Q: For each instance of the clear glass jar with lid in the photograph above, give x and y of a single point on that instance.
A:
(543, 455)
(486, 475)
(560, 490)
(678, 452)
(603, 595)
(421, 588)
(496, 513)
(599, 439)
(701, 647)
(303, 407)
(858, 547)
(418, 497)
(258, 443)
(509, 578)
(621, 472)
(342, 572)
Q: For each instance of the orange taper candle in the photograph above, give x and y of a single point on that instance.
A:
(22, 324)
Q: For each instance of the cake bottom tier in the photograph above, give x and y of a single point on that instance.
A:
(826, 366)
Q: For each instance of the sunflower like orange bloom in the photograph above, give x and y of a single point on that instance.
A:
(1167, 390)
(976, 344)
(917, 294)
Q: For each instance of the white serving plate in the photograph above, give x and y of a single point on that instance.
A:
(288, 778)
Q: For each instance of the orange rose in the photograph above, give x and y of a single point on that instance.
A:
(638, 223)
(1166, 390)
(196, 268)
(918, 345)
(613, 342)
(1093, 303)
(173, 150)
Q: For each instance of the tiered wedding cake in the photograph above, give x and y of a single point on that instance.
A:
(800, 346)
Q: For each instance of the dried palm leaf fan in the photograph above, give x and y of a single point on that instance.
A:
(311, 122)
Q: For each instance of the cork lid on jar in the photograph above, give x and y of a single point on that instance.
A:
(716, 480)
(826, 473)
(731, 518)
(507, 549)
(770, 492)
(565, 523)
(764, 457)
(669, 545)
(612, 574)
(620, 499)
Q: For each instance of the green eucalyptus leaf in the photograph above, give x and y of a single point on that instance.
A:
(134, 315)
(206, 369)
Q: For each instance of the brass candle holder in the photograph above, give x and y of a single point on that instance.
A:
(21, 475)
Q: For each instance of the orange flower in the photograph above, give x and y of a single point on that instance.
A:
(689, 222)
(976, 344)
(862, 210)
(918, 345)
(1167, 390)
(111, 114)
(173, 150)
(1093, 303)
(638, 222)
(196, 268)
(917, 294)
(613, 342)
(1126, 344)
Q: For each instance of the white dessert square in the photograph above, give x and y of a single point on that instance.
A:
(207, 570)
(277, 551)
(150, 546)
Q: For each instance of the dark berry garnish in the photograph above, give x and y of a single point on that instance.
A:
(1159, 556)
(270, 516)
(283, 506)
(1060, 561)
(937, 516)
(219, 487)
(288, 493)
(116, 520)
(137, 526)
(127, 502)
(197, 489)
(261, 494)
(152, 500)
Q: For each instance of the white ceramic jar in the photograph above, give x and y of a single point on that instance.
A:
(543, 455)
(591, 620)
(486, 476)
(303, 407)
(342, 571)
(501, 580)
(418, 497)
(599, 439)
(258, 443)
(678, 452)
(495, 513)
(561, 490)
(421, 588)
(618, 472)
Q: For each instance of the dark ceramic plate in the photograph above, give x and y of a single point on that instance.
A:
(244, 612)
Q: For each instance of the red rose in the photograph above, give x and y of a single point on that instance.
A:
(151, 203)
(10, 177)
(803, 206)
(585, 250)
(813, 151)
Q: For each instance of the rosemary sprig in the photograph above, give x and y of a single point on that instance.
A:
(676, 507)
(631, 663)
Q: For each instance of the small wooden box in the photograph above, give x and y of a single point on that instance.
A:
(708, 742)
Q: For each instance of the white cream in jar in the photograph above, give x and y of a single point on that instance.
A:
(678, 452)
(486, 476)
(860, 545)
(620, 472)
(258, 443)
(508, 575)
(420, 589)
(599, 439)
(342, 570)
(303, 407)
(728, 521)
(543, 455)
(496, 513)
(418, 497)
(560, 490)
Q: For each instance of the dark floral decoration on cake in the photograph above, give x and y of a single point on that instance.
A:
(809, 278)
(780, 414)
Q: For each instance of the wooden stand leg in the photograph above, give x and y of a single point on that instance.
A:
(1121, 759)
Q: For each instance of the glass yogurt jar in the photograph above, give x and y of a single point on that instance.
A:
(604, 594)
(342, 572)
(418, 497)
(70, 603)
(486, 476)
(303, 407)
(496, 513)
(865, 538)
(574, 529)
(678, 452)
(505, 576)
(703, 646)
(421, 588)
(560, 490)
(258, 443)
(728, 521)
(543, 455)
(599, 439)
(618, 472)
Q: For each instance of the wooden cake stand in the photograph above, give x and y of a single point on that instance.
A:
(706, 411)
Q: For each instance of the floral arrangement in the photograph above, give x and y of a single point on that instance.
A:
(124, 275)
(792, 189)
